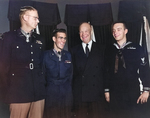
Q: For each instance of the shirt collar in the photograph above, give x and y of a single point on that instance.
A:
(89, 45)
(121, 47)
(25, 34)
(57, 54)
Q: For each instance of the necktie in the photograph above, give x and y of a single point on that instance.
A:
(27, 37)
(119, 62)
(87, 50)
(59, 53)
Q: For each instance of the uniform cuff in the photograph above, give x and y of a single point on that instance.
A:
(106, 90)
(146, 89)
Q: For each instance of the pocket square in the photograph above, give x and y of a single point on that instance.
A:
(38, 41)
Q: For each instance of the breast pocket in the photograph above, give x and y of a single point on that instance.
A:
(37, 50)
(67, 65)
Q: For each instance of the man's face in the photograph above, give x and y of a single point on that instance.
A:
(85, 32)
(32, 19)
(59, 41)
(119, 32)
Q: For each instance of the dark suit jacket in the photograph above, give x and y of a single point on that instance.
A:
(87, 74)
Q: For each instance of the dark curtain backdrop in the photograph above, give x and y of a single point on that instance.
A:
(73, 36)
(103, 35)
(132, 12)
(48, 14)
(99, 15)
(46, 31)
(101, 19)
(74, 15)
(147, 9)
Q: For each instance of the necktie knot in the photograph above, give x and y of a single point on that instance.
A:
(87, 50)
(59, 52)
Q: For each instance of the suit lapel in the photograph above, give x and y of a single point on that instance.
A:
(80, 56)
(81, 51)
(91, 54)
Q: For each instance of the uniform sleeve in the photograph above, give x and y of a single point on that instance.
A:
(44, 64)
(144, 70)
(5, 64)
(106, 70)
(6, 54)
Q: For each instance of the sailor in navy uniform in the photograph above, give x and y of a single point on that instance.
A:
(125, 63)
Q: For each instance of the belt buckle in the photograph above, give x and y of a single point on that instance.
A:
(31, 66)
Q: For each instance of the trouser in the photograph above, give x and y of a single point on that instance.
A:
(124, 104)
(90, 110)
(27, 110)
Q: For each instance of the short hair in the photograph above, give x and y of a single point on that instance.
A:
(124, 24)
(24, 9)
(59, 30)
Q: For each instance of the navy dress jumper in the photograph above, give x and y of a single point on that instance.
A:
(58, 72)
(124, 85)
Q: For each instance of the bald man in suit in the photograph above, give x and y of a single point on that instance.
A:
(88, 76)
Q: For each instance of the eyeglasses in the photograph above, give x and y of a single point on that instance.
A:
(65, 38)
(35, 18)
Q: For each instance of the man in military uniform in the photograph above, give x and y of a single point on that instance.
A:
(58, 72)
(22, 70)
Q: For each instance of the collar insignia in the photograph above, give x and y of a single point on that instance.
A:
(143, 60)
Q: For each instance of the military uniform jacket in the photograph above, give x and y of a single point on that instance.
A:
(58, 73)
(22, 67)
(87, 74)
(126, 80)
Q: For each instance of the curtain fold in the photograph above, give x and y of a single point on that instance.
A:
(103, 34)
(147, 34)
(46, 32)
(134, 31)
(99, 15)
(13, 13)
(76, 14)
(48, 14)
(147, 26)
(14, 9)
(132, 13)
(73, 36)
(147, 10)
